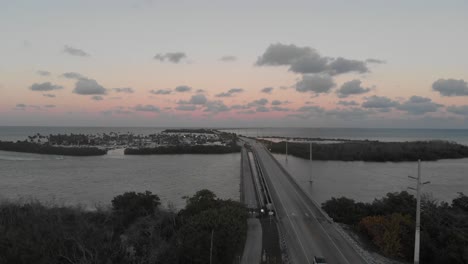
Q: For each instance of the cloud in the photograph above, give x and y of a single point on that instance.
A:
(280, 54)
(43, 73)
(375, 61)
(75, 52)
(43, 87)
(348, 103)
(97, 98)
(459, 110)
(311, 63)
(174, 57)
(184, 107)
(198, 99)
(380, 102)
(215, 107)
(348, 114)
(161, 91)
(306, 60)
(200, 91)
(351, 88)
(247, 112)
(88, 87)
(49, 106)
(49, 95)
(262, 109)
(259, 102)
(280, 109)
(276, 102)
(267, 90)
(237, 106)
(73, 75)
(147, 108)
(123, 90)
(342, 65)
(228, 58)
(311, 109)
(183, 88)
(418, 105)
(451, 87)
(315, 83)
(230, 93)
(20, 105)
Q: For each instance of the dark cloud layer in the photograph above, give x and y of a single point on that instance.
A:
(123, 90)
(147, 108)
(451, 87)
(183, 89)
(230, 93)
(417, 105)
(89, 87)
(351, 88)
(315, 83)
(174, 57)
(306, 60)
(161, 91)
(75, 52)
(44, 87)
(459, 110)
(267, 90)
(380, 102)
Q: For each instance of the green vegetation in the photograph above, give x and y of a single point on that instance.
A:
(375, 150)
(184, 149)
(28, 147)
(134, 230)
(390, 225)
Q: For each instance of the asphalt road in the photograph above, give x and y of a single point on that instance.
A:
(253, 244)
(250, 199)
(306, 231)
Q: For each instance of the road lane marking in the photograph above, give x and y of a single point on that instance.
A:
(294, 229)
(307, 207)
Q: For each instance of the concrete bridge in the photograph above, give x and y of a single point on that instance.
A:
(307, 231)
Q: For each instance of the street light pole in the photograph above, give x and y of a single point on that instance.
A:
(418, 213)
(310, 176)
(211, 247)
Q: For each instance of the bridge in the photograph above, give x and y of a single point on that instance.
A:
(306, 229)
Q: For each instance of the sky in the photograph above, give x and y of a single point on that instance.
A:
(374, 63)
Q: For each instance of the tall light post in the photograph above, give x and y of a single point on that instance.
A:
(310, 151)
(418, 212)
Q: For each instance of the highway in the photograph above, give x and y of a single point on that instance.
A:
(306, 230)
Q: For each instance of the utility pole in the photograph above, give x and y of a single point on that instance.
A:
(418, 212)
(211, 247)
(310, 176)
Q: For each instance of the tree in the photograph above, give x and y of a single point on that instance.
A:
(131, 205)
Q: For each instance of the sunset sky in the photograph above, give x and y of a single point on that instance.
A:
(234, 63)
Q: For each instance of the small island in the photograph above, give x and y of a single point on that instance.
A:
(364, 150)
(186, 141)
(31, 147)
(170, 141)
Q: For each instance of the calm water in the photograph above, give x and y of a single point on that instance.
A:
(364, 181)
(96, 180)
(457, 135)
